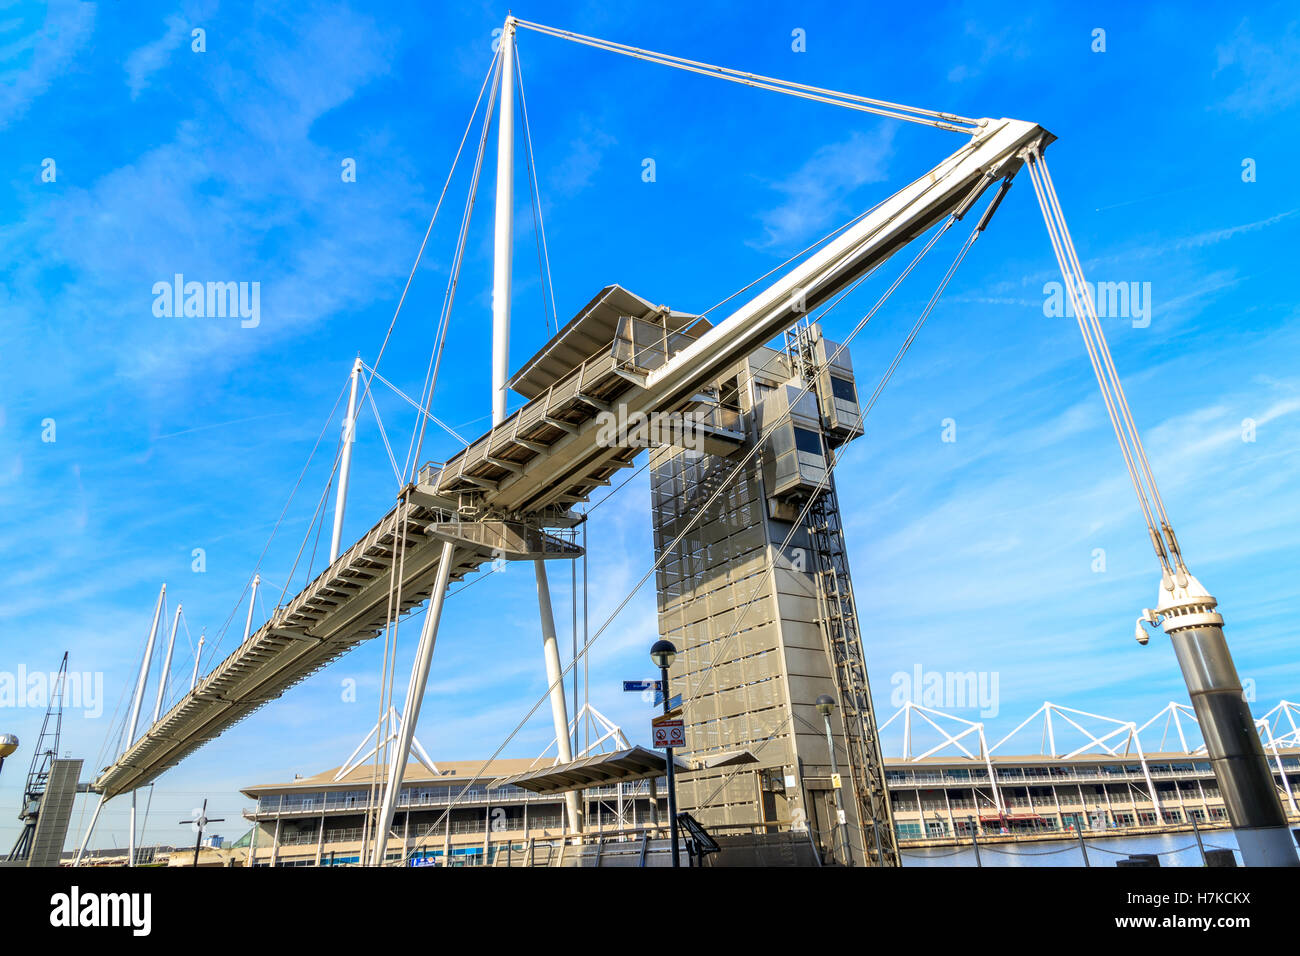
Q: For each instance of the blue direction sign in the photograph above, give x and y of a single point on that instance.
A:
(641, 685)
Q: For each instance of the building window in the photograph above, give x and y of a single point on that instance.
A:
(808, 441)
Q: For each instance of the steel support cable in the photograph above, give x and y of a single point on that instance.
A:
(912, 114)
(702, 510)
(453, 280)
(413, 454)
(1102, 379)
(1081, 303)
(543, 253)
(491, 71)
(1109, 362)
(400, 518)
(416, 405)
(1082, 307)
(319, 521)
(392, 460)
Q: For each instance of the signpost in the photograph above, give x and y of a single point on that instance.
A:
(648, 686)
(640, 686)
(666, 732)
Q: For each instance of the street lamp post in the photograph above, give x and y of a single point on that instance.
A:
(662, 654)
(825, 706)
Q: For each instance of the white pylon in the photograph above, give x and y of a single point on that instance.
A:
(345, 463)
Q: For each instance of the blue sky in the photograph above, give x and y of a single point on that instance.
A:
(974, 555)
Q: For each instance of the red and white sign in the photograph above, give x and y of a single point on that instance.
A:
(668, 733)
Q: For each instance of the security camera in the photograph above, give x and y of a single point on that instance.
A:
(1140, 633)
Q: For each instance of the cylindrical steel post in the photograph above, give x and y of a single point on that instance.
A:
(1234, 747)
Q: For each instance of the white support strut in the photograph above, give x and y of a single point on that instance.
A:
(555, 680)
(414, 697)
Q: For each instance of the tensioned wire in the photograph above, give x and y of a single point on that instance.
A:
(1117, 408)
(912, 114)
(383, 346)
(388, 674)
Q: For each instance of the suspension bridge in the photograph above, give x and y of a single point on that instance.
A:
(514, 493)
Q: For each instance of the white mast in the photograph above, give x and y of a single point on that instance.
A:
(198, 655)
(141, 680)
(144, 670)
(345, 462)
(505, 229)
(167, 665)
(501, 275)
(252, 603)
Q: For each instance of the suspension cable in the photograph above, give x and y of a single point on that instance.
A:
(543, 253)
(384, 435)
(453, 280)
(412, 464)
(416, 405)
(1103, 366)
(912, 114)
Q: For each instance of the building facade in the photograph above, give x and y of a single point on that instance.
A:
(453, 815)
(947, 798)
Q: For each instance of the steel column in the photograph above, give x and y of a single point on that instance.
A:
(1232, 742)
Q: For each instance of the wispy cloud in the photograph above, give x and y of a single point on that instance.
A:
(30, 62)
(145, 61)
(817, 193)
(1265, 73)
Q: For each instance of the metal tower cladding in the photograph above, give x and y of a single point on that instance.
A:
(757, 598)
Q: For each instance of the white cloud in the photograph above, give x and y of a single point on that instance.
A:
(1266, 72)
(144, 61)
(817, 193)
(29, 64)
